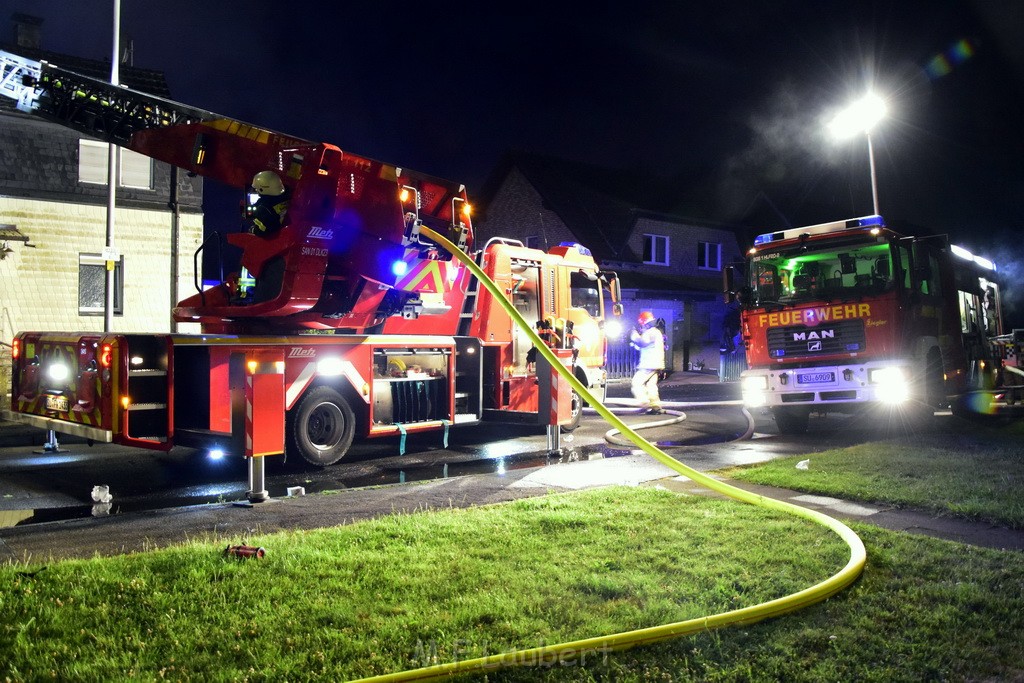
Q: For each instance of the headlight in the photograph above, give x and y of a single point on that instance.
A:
(891, 382)
(612, 329)
(755, 390)
(754, 383)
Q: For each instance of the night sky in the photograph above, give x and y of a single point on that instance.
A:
(728, 101)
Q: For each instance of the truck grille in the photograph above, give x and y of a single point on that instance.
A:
(798, 341)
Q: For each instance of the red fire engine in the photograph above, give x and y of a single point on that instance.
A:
(845, 315)
(369, 328)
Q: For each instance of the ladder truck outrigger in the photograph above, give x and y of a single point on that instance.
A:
(369, 329)
(852, 316)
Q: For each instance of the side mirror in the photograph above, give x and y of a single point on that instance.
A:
(617, 309)
(729, 282)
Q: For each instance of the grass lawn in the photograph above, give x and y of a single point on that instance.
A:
(962, 469)
(412, 590)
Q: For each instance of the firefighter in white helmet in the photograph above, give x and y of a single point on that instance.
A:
(268, 204)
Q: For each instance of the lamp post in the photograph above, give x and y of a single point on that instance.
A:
(861, 116)
(109, 255)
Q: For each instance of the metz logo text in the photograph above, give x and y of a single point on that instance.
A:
(320, 233)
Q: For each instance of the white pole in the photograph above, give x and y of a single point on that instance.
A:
(874, 180)
(112, 176)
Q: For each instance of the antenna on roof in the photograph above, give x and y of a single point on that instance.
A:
(128, 55)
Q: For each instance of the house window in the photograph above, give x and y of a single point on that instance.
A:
(709, 256)
(136, 170)
(92, 279)
(656, 250)
(533, 241)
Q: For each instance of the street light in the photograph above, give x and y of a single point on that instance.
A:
(861, 116)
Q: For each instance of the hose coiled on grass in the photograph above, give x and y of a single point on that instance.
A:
(571, 651)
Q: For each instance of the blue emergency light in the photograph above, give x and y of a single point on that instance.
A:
(820, 229)
(577, 246)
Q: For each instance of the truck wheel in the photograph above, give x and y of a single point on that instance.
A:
(577, 414)
(321, 427)
(791, 420)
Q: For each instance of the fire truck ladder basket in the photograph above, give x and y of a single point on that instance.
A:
(17, 74)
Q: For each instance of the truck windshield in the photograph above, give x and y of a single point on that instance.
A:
(796, 276)
(585, 293)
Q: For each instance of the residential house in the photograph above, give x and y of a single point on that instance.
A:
(53, 221)
(668, 264)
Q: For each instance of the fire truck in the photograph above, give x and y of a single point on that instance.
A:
(851, 315)
(349, 322)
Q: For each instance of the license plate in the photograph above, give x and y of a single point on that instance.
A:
(815, 377)
(58, 403)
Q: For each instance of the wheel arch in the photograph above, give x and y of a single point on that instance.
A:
(360, 406)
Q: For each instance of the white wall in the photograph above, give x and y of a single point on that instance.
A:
(39, 286)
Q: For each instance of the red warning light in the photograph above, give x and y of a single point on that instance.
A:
(106, 356)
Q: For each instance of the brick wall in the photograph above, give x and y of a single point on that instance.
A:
(517, 212)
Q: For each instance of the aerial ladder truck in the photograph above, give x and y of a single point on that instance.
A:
(369, 328)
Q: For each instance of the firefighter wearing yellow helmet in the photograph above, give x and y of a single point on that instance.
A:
(651, 344)
(268, 204)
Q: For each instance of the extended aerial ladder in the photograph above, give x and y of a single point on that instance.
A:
(353, 222)
(416, 345)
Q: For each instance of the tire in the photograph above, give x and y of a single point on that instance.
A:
(321, 426)
(791, 420)
(577, 414)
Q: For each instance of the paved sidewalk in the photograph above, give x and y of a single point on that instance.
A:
(981, 534)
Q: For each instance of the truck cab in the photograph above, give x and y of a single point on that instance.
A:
(850, 315)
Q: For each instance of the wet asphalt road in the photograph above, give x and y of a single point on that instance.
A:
(157, 497)
(45, 486)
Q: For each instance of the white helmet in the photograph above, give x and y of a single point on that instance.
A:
(267, 183)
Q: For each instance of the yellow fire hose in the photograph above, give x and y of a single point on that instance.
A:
(572, 651)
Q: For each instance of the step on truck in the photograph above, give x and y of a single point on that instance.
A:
(851, 316)
(348, 322)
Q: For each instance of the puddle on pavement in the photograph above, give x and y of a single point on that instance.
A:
(386, 471)
(233, 492)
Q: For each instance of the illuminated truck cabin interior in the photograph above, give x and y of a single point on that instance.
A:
(803, 274)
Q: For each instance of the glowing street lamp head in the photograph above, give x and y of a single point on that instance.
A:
(859, 117)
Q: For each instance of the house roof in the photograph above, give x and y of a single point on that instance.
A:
(599, 205)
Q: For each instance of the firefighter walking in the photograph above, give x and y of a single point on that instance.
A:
(651, 343)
